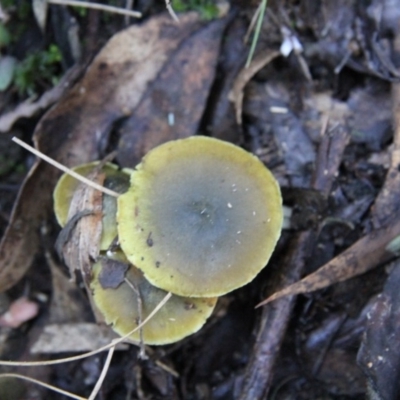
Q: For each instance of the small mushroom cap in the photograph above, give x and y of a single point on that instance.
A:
(116, 179)
(178, 318)
(201, 217)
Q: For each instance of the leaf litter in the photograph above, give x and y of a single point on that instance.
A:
(349, 70)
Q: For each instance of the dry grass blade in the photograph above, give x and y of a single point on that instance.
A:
(253, 22)
(45, 385)
(103, 373)
(260, 16)
(65, 169)
(91, 353)
(97, 6)
(142, 353)
(64, 392)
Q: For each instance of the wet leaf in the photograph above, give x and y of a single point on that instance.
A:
(378, 356)
(173, 106)
(112, 273)
(7, 67)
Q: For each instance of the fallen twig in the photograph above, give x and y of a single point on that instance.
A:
(275, 317)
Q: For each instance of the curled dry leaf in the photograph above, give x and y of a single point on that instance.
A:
(82, 245)
(236, 96)
(362, 256)
(77, 129)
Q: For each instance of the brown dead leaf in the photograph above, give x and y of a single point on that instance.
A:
(362, 256)
(76, 130)
(174, 104)
(236, 96)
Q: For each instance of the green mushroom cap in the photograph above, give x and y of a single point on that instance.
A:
(201, 217)
(178, 318)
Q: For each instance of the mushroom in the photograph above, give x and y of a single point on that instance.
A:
(201, 217)
(117, 300)
(116, 179)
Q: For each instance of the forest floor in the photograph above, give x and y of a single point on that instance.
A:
(318, 103)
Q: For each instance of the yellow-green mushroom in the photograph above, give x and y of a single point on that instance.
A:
(116, 286)
(116, 179)
(201, 217)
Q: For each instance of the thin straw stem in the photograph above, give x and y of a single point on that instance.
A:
(64, 168)
(90, 353)
(103, 374)
(97, 6)
(47, 386)
(263, 7)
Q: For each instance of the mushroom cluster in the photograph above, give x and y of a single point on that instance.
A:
(199, 218)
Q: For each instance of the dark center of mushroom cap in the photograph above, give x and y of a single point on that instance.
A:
(203, 216)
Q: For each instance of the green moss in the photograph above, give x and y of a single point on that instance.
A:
(207, 9)
(5, 36)
(81, 11)
(38, 70)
